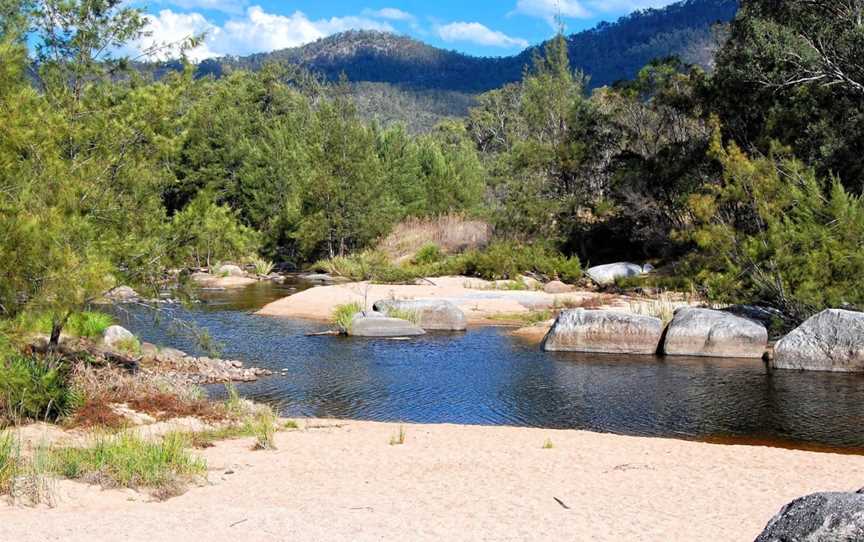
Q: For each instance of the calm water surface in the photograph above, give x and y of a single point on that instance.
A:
(485, 376)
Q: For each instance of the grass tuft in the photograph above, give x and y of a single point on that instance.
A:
(128, 461)
(344, 314)
(399, 438)
(262, 267)
(548, 445)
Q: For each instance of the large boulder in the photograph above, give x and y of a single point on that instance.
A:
(821, 517)
(433, 315)
(604, 332)
(606, 275)
(710, 333)
(833, 340)
(115, 335)
(366, 324)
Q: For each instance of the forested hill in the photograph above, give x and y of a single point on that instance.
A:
(609, 52)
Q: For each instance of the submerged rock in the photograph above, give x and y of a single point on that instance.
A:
(604, 332)
(433, 315)
(833, 340)
(821, 517)
(606, 275)
(370, 324)
(710, 333)
(114, 335)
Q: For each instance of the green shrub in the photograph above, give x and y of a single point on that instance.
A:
(344, 314)
(262, 267)
(35, 388)
(508, 260)
(127, 460)
(428, 253)
(80, 324)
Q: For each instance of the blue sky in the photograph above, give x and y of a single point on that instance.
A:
(478, 27)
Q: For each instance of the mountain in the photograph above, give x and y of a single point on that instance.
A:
(608, 52)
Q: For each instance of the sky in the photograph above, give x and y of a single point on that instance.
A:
(477, 27)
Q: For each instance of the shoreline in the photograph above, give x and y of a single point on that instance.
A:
(343, 480)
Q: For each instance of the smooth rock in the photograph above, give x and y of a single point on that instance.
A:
(604, 332)
(230, 270)
(116, 334)
(833, 340)
(821, 517)
(606, 275)
(433, 315)
(378, 325)
(122, 294)
(149, 350)
(710, 333)
(557, 287)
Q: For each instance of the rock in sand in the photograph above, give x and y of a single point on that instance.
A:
(821, 517)
(606, 275)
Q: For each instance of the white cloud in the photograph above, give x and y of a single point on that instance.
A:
(256, 31)
(477, 33)
(582, 9)
(392, 14)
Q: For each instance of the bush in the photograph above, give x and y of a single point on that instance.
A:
(36, 388)
(508, 260)
(428, 253)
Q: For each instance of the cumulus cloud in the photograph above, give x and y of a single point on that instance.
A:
(582, 9)
(256, 31)
(393, 14)
(477, 33)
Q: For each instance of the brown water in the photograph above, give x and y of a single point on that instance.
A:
(485, 376)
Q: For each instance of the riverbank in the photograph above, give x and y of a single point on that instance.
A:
(344, 480)
(483, 302)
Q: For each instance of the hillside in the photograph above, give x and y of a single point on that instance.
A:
(608, 52)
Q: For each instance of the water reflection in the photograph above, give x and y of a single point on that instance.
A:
(486, 377)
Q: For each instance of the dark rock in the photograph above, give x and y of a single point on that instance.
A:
(821, 517)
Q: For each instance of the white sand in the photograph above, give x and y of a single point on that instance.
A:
(453, 483)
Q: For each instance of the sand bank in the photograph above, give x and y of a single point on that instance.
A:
(479, 299)
(344, 481)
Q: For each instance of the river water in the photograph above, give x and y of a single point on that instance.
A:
(487, 377)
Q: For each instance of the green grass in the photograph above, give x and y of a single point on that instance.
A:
(548, 445)
(10, 461)
(35, 388)
(88, 324)
(262, 267)
(399, 438)
(344, 314)
(126, 460)
(527, 318)
(428, 254)
(128, 346)
(412, 316)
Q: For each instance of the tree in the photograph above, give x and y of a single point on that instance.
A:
(773, 232)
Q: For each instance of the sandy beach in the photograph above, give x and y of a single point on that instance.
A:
(343, 480)
(480, 300)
